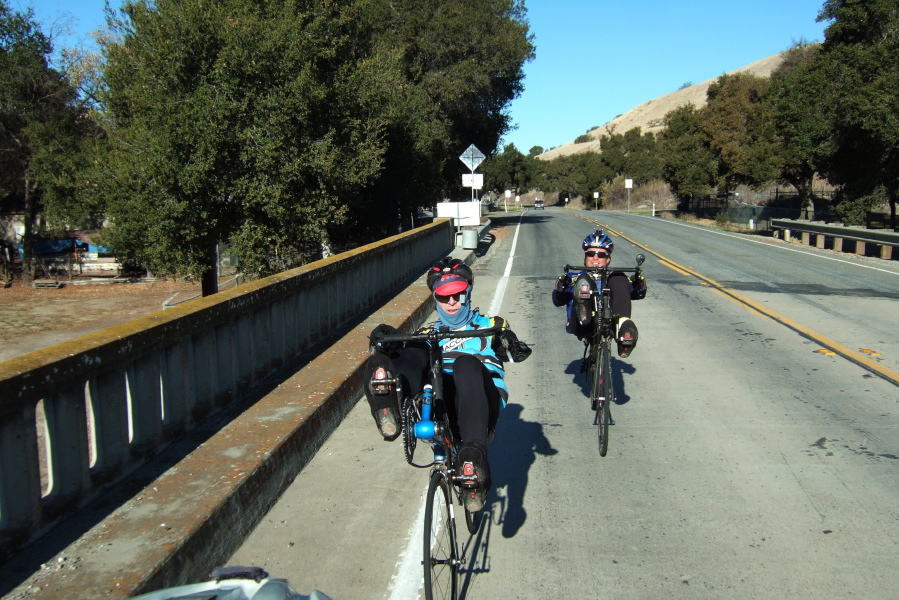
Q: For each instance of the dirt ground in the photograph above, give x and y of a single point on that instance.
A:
(33, 319)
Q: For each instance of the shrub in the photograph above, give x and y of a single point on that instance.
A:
(721, 219)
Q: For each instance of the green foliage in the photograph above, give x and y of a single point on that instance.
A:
(227, 125)
(282, 125)
(509, 170)
(460, 64)
(583, 139)
(688, 164)
(578, 174)
(632, 154)
(802, 122)
(853, 206)
(535, 150)
(739, 123)
(42, 127)
(860, 62)
(721, 218)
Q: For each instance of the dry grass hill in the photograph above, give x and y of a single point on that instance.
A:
(650, 116)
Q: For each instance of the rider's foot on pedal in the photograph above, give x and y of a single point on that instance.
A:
(473, 466)
(388, 423)
(627, 337)
(382, 397)
(583, 300)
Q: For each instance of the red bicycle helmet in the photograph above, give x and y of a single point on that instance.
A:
(448, 272)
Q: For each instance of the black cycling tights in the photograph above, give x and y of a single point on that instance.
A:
(620, 289)
(473, 402)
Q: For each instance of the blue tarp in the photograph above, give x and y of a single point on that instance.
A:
(61, 246)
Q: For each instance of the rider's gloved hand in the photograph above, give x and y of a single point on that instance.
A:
(563, 283)
(384, 329)
(519, 350)
(638, 286)
(506, 343)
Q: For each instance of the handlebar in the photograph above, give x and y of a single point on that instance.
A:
(443, 333)
(607, 269)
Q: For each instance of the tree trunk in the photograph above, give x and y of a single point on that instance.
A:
(327, 251)
(806, 199)
(892, 192)
(209, 282)
(28, 235)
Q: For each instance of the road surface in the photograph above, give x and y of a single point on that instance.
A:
(755, 451)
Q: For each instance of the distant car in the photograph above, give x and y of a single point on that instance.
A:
(538, 204)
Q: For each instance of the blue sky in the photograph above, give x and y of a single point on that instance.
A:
(595, 59)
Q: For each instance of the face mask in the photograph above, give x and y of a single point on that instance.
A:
(462, 317)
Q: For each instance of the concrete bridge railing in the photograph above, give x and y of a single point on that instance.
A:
(77, 417)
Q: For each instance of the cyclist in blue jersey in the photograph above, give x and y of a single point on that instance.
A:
(473, 380)
(598, 249)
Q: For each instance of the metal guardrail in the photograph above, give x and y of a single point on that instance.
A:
(885, 239)
(169, 302)
(77, 417)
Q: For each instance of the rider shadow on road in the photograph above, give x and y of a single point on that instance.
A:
(619, 370)
(518, 442)
(516, 447)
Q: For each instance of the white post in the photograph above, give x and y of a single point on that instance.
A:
(628, 183)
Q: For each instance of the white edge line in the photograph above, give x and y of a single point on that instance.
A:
(409, 578)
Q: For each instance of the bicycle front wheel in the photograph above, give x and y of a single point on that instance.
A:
(473, 520)
(605, 396)
(441, 561)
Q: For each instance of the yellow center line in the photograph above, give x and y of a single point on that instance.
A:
(861, 360)
(673, 267)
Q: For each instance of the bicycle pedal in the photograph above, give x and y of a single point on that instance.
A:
(468, 478)
(380, 382)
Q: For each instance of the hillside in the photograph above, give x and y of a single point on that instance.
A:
(650, 116)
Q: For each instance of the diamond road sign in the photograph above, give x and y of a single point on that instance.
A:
(472, 157)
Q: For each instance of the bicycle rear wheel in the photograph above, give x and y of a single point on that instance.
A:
(441, 561)
(605, 395)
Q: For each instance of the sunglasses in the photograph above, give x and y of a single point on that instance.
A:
(592, 253)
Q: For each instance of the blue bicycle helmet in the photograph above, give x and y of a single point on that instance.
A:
(598, 239)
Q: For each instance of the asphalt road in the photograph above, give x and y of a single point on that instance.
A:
(755, 451)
